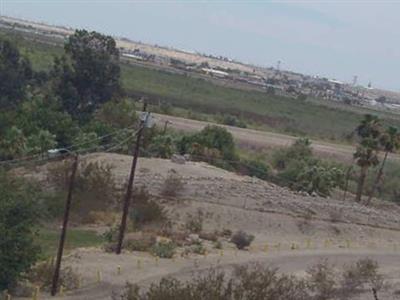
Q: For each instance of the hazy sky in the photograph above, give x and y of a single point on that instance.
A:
(338, 39)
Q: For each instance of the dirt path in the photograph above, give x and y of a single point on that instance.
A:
(144, 269)
(256, 139)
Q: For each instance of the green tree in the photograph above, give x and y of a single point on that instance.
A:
(45, 113)
(390, 142)
(209, 139)
(41, 142)
(366, 155)
(89, 75)
(118, 114)
(13, 144)
(17, 219)
(15, 72)
(162, 146)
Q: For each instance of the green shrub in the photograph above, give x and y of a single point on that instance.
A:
(256, 282)
(213, 138)
(248, 282)
(118, 114)
(144, 210)
(143, 243)
(95, 186)
(42, 275)
(300, 150)
(363, 274)
(18, 218)
(162, 146)
(299, 170)
(198, 249)
(173, 184)
(164, 249)
(254, 168)
(194, 223)
(322, 280)
(233, 121)
(242, 240)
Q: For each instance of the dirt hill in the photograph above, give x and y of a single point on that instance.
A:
(291, 230)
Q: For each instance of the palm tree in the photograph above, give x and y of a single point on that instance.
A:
(390, 142)
(366, 154)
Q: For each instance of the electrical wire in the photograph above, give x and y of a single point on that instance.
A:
(39, 156)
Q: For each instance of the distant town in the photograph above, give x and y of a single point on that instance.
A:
(273, 80)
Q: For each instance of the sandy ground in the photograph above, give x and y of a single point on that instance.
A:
(292, 231)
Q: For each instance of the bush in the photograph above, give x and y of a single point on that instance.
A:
(42, 275)
(299, 170)
(248, 282)
(163, 249)
(360, 275)
(300, 150)
(144, 210)
(95, 187)
(118, 114)
(198, 249)
(173, 184)
(322, 280)
(18, 217)
(233, 121)
(213, 138)
(242, 240)
(140, 243)
(162, 146)
(254, 282)
(256, 168)
(194, 223)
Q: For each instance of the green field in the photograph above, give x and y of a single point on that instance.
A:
(314, 118)
(48, 240)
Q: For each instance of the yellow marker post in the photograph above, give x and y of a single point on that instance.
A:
(98, 276)
(348, 244)
(308, 244)
(118, 270)
(278, 246)
(221, 253)
(62, 291)
(139, 264)
(35, 295)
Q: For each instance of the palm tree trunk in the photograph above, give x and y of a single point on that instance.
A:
(361, 182)
(378, 179)
(346, 186)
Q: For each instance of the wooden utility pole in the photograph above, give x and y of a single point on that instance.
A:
(165, 126)
(128, 194)
(64, 227)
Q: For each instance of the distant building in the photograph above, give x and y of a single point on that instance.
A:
(217, 73)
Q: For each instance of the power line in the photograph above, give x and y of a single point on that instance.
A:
(32, 158)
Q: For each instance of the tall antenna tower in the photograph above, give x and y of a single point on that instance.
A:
(278, 65)
(355, 78)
